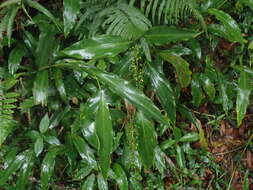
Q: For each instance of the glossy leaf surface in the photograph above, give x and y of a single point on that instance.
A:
(164, 34)
(242, 101)
(71, 9)
(230, 25)
(164, 92)
(121, 177)
(104, 131)
(84, 150)
(97, 47)
(146, 140)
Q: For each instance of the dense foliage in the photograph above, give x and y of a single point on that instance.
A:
(126, 94)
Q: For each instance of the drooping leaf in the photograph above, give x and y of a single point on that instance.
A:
(47, 168)
(146, 140)
(97, 47)
(41, 8)
(163, 34)
(84, 150)
(124, 89)
(242, 101)
(104, 131)
(230, 25)
(71, 9)
(121, 177)
(164, 92)
(15, 58)
(181, 66)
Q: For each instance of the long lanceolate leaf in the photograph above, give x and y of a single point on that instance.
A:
(232, 29)
(97, 47)
(163, 34)
(242, 101)
(146, 140)
(164, 92)
(47, 168)
(104, 130)
(42, 55)
(71, 9)
(42, 9)
(14, 166)
(124, 89)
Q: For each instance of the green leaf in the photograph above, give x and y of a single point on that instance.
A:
(121, 177)
(146, 140)
(40, 87)
(223, 91)
(189, 137)
(102, 183)
(14, 166)
(208, 86)
(15, 58)
(47, 169)
(242, 101)
(38, 146)
(249, 3)
(180, 157)
(44, 123)
(104, 131)
(124, 89)
(25, 172)
(52, 140)
(89, 133)
(160, 160)
(230, 25)
(42, 9)
(57, 74)
(8, 3)
(89, 183)
(84, 150)
(11, 16)
(163, 34)
(97, 47)
(196, 90)
(164, 92)
(71, 9)
(243, 69)
(191, 117)
(246, 176)
(181, 66)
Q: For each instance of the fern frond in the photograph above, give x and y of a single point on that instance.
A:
(125, 21)
(168, 11)
(7, 104)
